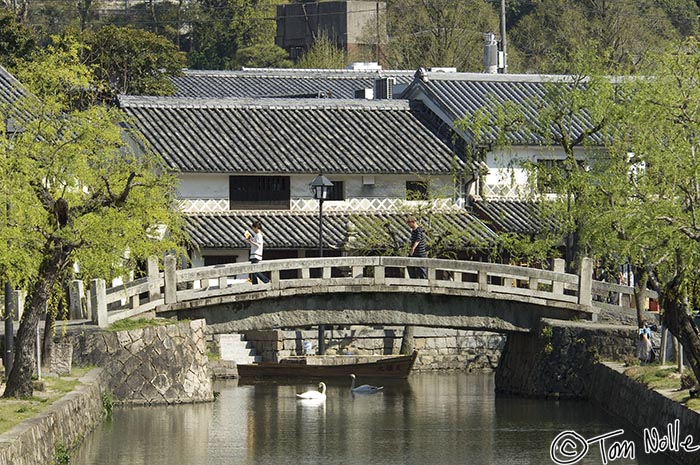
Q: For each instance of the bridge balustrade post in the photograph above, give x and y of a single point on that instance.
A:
(98, 299)
(585, 282)
(379, 275)
(170, 279)
(558, 266)
(357, 272)
(153, 278)
(76, 293)
(483, 279)
(326, 272)
(275, 279)
(431, 276)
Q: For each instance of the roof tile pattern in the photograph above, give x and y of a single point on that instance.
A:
(290, 136)
(517, 216)
(281, 82)
(463, 94)
(300, 230)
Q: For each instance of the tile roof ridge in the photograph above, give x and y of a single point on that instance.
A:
(135, 101)
(481, 77)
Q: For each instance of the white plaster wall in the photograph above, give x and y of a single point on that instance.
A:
(203, 186)
(506, 166)
(216, 186)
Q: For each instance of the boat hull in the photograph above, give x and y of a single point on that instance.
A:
(390, 367)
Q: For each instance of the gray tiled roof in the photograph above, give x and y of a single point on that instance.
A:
(285, 230)
(290, 136)
(262, 82)
(10, 92)
(518, 216)
(461, 95)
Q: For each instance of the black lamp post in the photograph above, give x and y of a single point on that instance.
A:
(320, 188)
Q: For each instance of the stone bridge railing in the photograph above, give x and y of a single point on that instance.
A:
(160, 289)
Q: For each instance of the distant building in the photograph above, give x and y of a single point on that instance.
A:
(352, 25)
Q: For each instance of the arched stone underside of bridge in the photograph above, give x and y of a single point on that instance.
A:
(374, 305)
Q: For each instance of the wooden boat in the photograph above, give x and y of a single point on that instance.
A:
(397, 367)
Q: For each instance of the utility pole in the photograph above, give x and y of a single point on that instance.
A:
(504, 42)
(9, 332)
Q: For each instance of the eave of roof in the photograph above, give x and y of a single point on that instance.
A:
(292, 230)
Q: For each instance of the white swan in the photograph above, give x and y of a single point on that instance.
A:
(315, 395)
(365, 388)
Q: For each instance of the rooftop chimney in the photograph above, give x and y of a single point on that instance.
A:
(490, 53)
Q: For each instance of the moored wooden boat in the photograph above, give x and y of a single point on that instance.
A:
(397, 367)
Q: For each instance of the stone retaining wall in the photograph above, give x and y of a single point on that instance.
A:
(643, 408)
(438, 349)
(65, 422)
(152, 365)
(557, 360)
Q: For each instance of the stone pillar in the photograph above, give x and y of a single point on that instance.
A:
(170, 279)
(585, 282)
(98, 299)
(18, 298)
(76, 296)
(408, 343)
(558, 267)
(153, 279)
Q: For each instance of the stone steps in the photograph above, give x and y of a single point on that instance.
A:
(234, 348)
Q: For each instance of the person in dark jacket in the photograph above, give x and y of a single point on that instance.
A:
(417, 248)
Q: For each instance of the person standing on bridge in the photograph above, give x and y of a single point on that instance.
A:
(417, 248)
(256, 250)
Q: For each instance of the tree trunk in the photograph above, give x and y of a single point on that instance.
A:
(677, 318)
(19, 383)
(640, 287)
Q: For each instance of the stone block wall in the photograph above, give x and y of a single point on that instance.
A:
(644, 408)
(65, 422)
(557, 360)
(438, 349)
(154, 365)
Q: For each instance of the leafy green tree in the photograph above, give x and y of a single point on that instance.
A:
(324, 54)
(226, 33)
(431, 33)
(655, 213)
(133, 61)
(76, 190)
(624, 30)
(16, 41)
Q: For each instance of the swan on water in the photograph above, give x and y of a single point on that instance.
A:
(365, 388)
(315, 395)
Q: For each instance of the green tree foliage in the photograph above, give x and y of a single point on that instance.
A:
(16, 41)
(133, 61)
(227, 33)
(655, 214)
(78, 188)
(433, 33)
(324, 54)
(624, 31)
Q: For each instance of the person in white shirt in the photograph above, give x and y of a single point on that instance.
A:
(256, 251)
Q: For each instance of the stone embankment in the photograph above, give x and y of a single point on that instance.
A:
(153, 365)
(61, 426)
(438, 349)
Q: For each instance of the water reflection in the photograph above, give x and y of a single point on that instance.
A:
(432, 418)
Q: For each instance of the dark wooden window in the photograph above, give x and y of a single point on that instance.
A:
(416, 190)
(219, 259)
(259, 192)
(336, 191)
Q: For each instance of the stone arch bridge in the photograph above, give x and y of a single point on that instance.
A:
(358, 290)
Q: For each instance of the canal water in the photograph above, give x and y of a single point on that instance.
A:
(443, 419)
